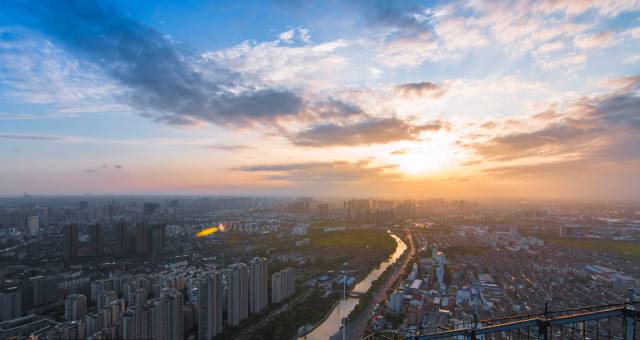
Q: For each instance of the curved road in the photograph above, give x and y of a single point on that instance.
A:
(355, 329)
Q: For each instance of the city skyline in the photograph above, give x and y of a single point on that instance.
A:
(383, 98)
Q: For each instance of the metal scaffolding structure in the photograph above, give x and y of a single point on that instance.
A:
(611, 322)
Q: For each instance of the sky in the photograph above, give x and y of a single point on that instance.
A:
(354, 98)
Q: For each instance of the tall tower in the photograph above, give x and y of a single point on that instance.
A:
(210, 305)
(258, 285)
(238, 293)
(70, 242)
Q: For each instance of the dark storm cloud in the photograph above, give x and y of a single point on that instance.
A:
(370, 131)
(421, 89)
(338, 171)
(161, 78)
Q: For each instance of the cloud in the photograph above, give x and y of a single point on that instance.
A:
(229, 147)
(160, 77)
(598, 128)
(569, 62)
(399, 151)
(551, 140)
(337, 171)
(489, 125)
(335, 108)
(598, 40)
(29, 137)
(295, 62)
(395, 14)
(421, 89)
(103, 168)
(546, 115)
(369, 131)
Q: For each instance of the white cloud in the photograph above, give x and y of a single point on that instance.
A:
(290, 60)
(632, 59)
(598, 40)
(35, 71)
(569, 62)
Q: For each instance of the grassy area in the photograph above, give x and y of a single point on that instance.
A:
(371, 238)
(629, 250)
(362, 249)
(286, 325)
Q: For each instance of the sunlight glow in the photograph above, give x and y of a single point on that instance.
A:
(210, 230)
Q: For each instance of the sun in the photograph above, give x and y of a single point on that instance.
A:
(421, 163)
(427, 158)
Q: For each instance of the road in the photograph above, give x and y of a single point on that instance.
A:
(355, 329)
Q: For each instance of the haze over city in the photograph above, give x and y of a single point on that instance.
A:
(484, 99)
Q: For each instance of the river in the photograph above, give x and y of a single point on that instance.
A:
(332, 324)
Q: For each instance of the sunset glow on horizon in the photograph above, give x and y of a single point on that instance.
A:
(389, 98)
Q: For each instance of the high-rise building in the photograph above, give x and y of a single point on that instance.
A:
(167, 316)
(142, 239)
(105, 298)
(288, 282)
(75, 307)
(276, 287)
(70, 242)
(44, 289)
(139, 297)
(237, 293)
(158, 234)
(133, 321)
(96, 243)
(33, 224)
(258, 285)
(10, 304)
(210, 300)
(150, 208)
(122, 239)
(92, 323)
(283, 285)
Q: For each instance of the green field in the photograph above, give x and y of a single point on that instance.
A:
(629, 250)
(362, 249)
(357, 238)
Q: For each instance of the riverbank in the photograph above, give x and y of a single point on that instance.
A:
(355, 329)
(345, 307)
(317, 324)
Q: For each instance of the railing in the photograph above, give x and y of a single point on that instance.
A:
(611, 322)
